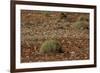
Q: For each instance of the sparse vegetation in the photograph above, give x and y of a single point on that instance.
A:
(54, 32)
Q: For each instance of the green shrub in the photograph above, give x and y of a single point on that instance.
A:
(50, 46)
(83, 18)
(81, 23)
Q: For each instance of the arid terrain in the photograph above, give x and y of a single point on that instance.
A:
(69, 28)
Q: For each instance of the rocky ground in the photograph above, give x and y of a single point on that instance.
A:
(38, 26)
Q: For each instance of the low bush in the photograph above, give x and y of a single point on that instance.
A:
(82, 23)
(50, 46)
